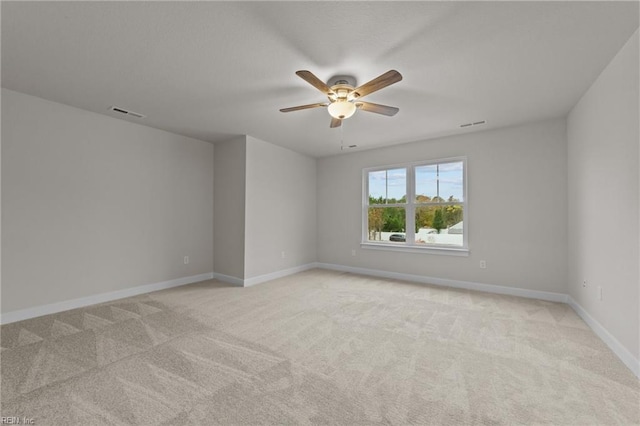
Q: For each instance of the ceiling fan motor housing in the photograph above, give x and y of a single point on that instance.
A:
(342, 80)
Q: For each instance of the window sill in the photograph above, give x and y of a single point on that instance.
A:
(447, 251)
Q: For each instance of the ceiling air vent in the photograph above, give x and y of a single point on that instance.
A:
(475, 123)
(123, 111)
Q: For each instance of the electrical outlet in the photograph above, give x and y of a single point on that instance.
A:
(186, 260)
(283, 254)
(584, 284)
(353, 252)
(483, 264)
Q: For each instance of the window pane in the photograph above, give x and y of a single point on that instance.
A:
(439, 225)
(439, 182)
(388, 186)
(386, 224)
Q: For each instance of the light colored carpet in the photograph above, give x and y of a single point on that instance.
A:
(319, 347)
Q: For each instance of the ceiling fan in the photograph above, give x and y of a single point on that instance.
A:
(344, 98)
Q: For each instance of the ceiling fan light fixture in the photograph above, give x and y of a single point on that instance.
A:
(341, 109)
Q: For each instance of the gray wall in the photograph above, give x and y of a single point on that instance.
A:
(517, 212)
(93, 204)
(229, 207)
(265, 204)
(604, 240)
(280, 209)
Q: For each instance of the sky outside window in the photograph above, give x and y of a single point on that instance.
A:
(388, 184)
(444, 179)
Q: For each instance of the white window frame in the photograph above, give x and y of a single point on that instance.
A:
(410, 208)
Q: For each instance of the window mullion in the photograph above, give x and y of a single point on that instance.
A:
(410, 219)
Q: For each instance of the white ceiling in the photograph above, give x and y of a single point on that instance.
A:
(213, 70)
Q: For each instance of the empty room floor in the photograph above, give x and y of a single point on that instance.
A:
(316, 347)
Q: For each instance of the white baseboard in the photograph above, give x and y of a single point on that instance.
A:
(52, 308)
(623, 353)
(278, 274)
(248, 282)
(489, 288)
(238, 282)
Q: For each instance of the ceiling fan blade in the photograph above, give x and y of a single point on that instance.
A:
(377, 108)
(386, 79)
(310, 78)
(298, 108)
(335, 122)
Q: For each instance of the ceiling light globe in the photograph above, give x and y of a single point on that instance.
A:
(342, 109)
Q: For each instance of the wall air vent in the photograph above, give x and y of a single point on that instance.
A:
(475, 123)
(123, 111)
(348, 147)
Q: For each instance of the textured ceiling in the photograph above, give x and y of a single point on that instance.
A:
(213, 70)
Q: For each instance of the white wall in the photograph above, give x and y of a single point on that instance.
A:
(517, 214)
(93, 204)
(265, 204)
(280, 209)
(603, 162)
(229, 207)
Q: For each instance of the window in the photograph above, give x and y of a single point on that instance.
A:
(417, 206)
